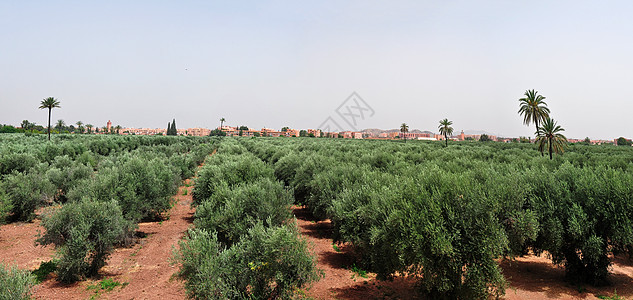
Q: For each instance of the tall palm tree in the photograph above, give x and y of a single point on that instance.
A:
(404, 128)
(49, 103)
(548, 134)
(446, 129)
(118, 128)
(25, 124)
(89, 126)
(221, 122)
(533, 108)
(80, 126)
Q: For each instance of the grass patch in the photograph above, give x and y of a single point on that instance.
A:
(336, 248)
(45, 268)
(104, 286)
(615, 296)
(358, 271)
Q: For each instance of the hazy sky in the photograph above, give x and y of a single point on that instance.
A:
(292, 63)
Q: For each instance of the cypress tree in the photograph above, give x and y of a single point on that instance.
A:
(173, 128)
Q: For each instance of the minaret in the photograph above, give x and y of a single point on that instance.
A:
(462, 136)
(109, 125)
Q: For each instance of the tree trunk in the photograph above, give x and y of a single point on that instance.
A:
(49, 123)
(536, 122)
(550, 150)
(446, 139)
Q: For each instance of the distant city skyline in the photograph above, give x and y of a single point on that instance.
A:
(286, 63)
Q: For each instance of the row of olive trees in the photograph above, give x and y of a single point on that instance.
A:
(245, 244)
(548, 135)
(448, 215)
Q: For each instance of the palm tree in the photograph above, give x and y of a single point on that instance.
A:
(60, 125)
(25, 124)
(446, 129)
(404, 128)
(49, 103)
(533, 108)
(118, 128)
(80, 126)
(548, 134)
(89, 126)
(221, 122)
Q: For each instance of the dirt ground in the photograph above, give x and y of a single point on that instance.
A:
(143, 268)
(145, 271)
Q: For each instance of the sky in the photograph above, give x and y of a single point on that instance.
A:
(295, 63)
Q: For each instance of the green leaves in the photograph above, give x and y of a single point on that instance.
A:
(15, 284)
(85, 233)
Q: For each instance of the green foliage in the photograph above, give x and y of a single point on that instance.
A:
(171, 128)
(9, 129)
(143, 187)
(232, 212)
(267, 263)
(585, 215)
(358, 271)
(84, 234)
(228, 170)
(18, 162)
(615, 296)
(217, 132)
(621, 141)
(106, 285)
(449, 215)
(26, 192)
(484, 138)
(15, 284)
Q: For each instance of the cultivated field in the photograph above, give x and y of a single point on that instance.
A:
(313, 218)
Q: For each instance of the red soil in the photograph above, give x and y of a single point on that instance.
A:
(143, 268)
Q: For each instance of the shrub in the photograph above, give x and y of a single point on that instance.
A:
(232, 212)
(438, 225)
(327, 185)
(67, 177)
(15, 284)
(585, 215)
(228, 170)
(143, 187)
(18, 162)
(267, 263)
(5, 206)
(26, 192)
(84, 233)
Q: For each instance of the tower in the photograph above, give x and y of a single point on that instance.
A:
(109, 125)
